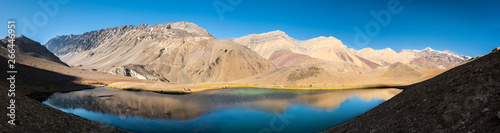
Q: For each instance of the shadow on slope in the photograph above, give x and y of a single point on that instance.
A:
(38, 83)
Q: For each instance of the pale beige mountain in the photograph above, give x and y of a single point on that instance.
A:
(426, 58)
(179, 52)
(332, 49)
(266, 44)
(385, 56)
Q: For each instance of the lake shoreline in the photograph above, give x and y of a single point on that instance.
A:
(253, 106)
(168, 88)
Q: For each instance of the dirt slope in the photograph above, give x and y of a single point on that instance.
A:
(463, 99)
(285, 58)
(396, 70)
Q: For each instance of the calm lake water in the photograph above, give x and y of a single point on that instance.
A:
(225, 110)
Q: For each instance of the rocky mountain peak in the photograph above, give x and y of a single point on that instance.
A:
(428, 49)
(387, 50)
(435, 58)
(143, 32)
(25, 43)
(276, 34)
(25, 40)
(26, 46)
(324, 41)
(187, 26)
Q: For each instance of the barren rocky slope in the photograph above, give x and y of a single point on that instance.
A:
(385, 56)
(179, 52)
(463, 99)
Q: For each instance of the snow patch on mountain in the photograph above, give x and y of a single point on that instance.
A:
(429, 50)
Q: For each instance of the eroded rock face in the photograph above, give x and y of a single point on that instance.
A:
(179, 52)
(137, 71)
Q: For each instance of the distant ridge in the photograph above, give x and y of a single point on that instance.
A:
(325, 48)
(427, 58)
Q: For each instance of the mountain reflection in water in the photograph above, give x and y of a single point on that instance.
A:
(150, 105)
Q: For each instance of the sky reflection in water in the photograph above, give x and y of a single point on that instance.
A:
(224, 110)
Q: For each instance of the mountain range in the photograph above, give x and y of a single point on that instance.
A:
(183, 52)
(179, 52)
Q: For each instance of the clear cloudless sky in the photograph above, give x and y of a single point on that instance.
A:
(469, 27)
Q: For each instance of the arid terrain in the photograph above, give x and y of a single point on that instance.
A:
(182, 57)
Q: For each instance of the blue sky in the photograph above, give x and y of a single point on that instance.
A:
(469, 27)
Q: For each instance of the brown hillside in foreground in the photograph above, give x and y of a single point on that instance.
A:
(463, 99)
